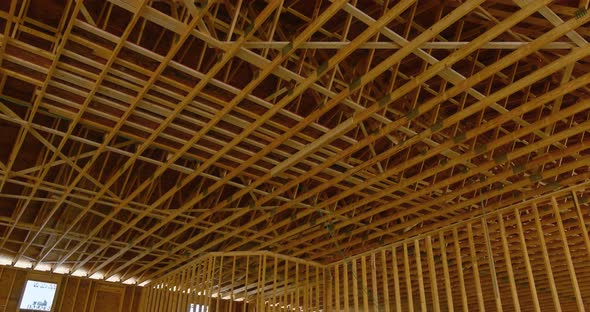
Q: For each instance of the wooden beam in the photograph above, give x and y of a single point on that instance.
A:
(568, 255)
(449, 45)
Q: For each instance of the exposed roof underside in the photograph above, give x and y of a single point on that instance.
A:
(138, 134)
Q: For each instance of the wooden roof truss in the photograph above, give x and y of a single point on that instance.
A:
(140, 134)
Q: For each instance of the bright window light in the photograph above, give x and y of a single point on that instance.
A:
(23, 264)
(42, 267)
(198, 308)
(130, 281)
(97, 276)
(142, 284)
(62, 270)
(38, 296)
(5, 260)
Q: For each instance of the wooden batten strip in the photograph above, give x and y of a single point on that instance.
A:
(346, 283)
(582, 222)
(475, 268)
(492, 264)
(364, 284)
(546, 260)
(527, 262)
(355, 286)
(446, 274)
(459, 262)
(408, 277)
(396, 284)
(568, 255)
(508, 261)
(385, 281)
(337, 287)
(432, 274)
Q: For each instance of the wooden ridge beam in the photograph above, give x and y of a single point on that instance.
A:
(449, 45)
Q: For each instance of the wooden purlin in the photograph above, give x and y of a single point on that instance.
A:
(393, 46)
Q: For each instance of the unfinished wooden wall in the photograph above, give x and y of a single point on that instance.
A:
(240, 281)
(530, 258)
(74, 294)
(533, 256)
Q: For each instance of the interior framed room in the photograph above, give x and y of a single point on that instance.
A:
(294, 155)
